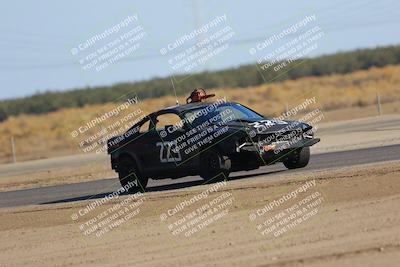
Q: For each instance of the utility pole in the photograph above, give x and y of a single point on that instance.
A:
(13, 150)
(378, 103)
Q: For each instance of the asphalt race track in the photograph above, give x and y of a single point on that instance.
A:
(96, 189)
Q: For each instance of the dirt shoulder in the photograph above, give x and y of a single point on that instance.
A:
(358, 133)
(356, 223)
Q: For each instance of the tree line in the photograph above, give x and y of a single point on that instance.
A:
(243, 76)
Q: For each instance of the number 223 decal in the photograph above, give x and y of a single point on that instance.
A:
(167, 153)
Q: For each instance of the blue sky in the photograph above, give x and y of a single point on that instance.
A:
(37, 36)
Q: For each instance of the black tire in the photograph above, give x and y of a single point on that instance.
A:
(297, 159)
(214, 166)
(128, 174)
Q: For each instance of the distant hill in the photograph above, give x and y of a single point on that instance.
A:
(244, 76)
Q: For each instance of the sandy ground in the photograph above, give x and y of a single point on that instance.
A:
(352, 113)
(336, 136)
(48, 176)
(359, 133)
(352, 221)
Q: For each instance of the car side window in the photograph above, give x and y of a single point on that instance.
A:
(168, 119)
(228, 113)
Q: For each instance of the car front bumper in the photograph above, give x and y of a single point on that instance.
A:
(278, 146)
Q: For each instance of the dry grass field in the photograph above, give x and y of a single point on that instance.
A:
(49, 135)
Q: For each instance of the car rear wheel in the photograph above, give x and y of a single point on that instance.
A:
(297, 158)
(214, 166)
(129, 176)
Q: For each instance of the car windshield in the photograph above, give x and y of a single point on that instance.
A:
(221, 114)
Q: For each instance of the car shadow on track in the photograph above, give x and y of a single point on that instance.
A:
(158, 188)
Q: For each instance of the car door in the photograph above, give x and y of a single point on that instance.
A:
(171, 144)
(142, 146)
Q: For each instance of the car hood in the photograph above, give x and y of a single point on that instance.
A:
(266, 126)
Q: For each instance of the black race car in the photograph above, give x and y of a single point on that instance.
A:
(210, 139)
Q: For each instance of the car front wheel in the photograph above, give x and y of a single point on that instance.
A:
(214, 166)
(297, 159)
